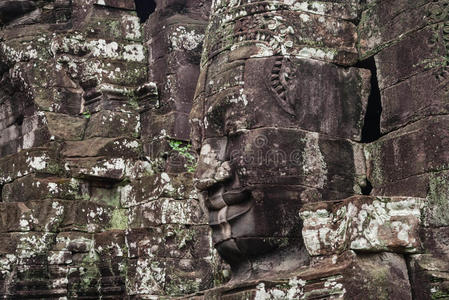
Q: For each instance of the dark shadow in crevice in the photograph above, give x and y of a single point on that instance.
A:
(19, 120)
(144, 9)
(371, 124)
(366, 190)
(411, 276)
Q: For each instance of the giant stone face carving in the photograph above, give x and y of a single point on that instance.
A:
(274, 122)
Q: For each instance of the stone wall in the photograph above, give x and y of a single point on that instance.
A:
(97, 167)
(96, 175)
(374, 216)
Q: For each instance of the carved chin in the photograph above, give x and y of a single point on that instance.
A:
(244, 237)
(237, 250)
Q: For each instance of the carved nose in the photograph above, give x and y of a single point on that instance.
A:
(223, 172)
(220, 173)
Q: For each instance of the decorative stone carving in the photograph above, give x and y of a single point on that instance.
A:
(269, 129)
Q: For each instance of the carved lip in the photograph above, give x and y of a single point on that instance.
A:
(233, 197)
(229, 213)
(228, 198)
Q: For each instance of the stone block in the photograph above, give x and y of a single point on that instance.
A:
(397, 63)
(361, 223)
(348, 276)
(113, 124)
(52, 215)
(23, 248)
(111, 170)
(166, 211)
(429, 275)
(156, 277)
(157, 186)
(44, 216)
(30, 187)
(175, 52)
(65, 127)
(413, 150)
(297, 33)
(124, 147)
(36, 160)
(86, 216)
(174, 125)
(74, 241)
(386, 22)
(307, 161)
(403, 103)
(169, 241)
(408, 77)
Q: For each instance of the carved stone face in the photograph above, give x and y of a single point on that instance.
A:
(261, 158)
(273, 132)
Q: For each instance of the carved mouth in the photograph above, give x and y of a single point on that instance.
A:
(228, 213)
(225, 206)
(222, 198)
(234, 197)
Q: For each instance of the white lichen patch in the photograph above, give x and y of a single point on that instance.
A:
(149, 278)
(127, 196)
(313, 164)
(132, 27)
(101, 48)
(15, 55)
(77, 242)
(32, 244)
(324, 229)
(59, 257)
(316, 53)
(294, 289)
(53, 188)
(38, 162)
(240, 98)
(381, 224)
(6, 263)
(183, 39)
(134, 52)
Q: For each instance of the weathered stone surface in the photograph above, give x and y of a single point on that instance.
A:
(349, 276)
(36, 160)
(113, 124)
(125, 147)
(166, 211)
(385, 22)
(52, 215)
(173, 125)
(239, 98)
(429, 283)
(433, 186)
(417, 75)
(150, 188)
(175, 46)
(97, 170)
(247, 32)
(170, 241)
(65, 127)
(167, 276)
(363, 223)
(31, 187)
(413, 150)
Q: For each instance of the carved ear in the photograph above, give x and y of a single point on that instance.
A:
(279, 84)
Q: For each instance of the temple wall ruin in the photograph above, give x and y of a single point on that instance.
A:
(113, 113)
